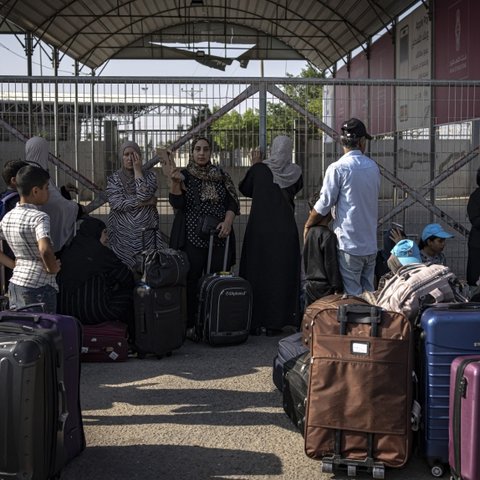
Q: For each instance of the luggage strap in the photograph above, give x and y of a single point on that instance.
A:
(359, 314)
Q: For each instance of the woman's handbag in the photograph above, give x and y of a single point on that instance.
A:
(205, 224)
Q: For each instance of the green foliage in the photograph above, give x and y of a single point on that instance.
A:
(235, 130)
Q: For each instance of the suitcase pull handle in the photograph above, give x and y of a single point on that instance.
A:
(62, 418)
(359, 314)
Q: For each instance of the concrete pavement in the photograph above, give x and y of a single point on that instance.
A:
(203, 413)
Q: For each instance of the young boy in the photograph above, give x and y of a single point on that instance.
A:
(9, 199)
(27, 231)
(322, 275)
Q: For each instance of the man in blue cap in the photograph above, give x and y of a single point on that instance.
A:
(351, 185)
(432, 244)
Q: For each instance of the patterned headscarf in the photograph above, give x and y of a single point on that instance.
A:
(285, 173)
(210, 174)
(127, 177)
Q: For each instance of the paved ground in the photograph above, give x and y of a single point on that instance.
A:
(204, 413)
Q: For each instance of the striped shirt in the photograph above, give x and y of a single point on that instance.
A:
(22, 228)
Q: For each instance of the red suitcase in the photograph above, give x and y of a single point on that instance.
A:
(105, 342)
(464, 414)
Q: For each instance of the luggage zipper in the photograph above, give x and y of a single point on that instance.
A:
(460, 392)
(424, 283)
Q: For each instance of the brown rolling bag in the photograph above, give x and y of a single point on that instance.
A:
(360, 390)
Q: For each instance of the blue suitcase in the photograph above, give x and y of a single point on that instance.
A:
(448, 331)
(288, 348)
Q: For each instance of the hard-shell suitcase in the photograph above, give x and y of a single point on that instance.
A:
(360, 387)
(295, 389)
(69, 329)
(288, 348)
(105, 342)
(160, 319)
(464, 424)
(224, 305)
(447, 331)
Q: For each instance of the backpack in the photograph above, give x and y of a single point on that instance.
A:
(6, 197)
(416, 285)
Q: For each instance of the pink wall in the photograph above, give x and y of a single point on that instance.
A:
(457, 41)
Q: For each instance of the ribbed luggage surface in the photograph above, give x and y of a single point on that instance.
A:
(66, 331)
(448, 331)
(360, 383)
(464, 426)
(41, 424)
(296, 373)
(225, 309)
(288, 348)
(160, 319)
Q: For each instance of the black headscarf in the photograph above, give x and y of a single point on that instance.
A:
(86, 256)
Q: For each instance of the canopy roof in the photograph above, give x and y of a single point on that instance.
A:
(92, 32)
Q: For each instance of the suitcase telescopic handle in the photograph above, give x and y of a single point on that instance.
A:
(213, 233)
(359, 314)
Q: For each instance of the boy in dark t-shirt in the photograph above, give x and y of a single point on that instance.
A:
(322, 275)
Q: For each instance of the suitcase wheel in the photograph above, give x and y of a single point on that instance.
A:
(327, 467)
(437, 470)
(351, 470)
(378, 472)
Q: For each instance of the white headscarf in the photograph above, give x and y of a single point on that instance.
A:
(285, 173)
(62, 212)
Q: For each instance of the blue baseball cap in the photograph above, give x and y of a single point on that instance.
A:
(407, 252)
(435, 230)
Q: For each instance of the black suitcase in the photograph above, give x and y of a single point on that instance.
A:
(224, 305)
(160, 319)
(160, 312)
(70, 330)
(295, 387)
(288, 348)
(33, 402)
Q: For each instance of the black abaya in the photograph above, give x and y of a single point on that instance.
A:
(270, 258)
(473, 264)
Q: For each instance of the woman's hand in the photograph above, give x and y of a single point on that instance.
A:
(224, 228)
(150, 201)
(176, 176)
(255, 156)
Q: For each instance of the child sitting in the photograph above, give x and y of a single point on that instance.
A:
(432, 244)
(27, 231)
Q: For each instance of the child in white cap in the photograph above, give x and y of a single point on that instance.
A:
(432, 244)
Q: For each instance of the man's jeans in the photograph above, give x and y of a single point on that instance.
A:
(22, 296)
(357, 272)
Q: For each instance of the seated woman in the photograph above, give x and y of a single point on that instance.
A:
(95, 286)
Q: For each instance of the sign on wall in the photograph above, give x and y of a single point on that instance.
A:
(413, 61)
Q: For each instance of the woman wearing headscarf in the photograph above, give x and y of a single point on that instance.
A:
(133, 206)
(95, 285)
(270, 258)
(63, 213)
(202, 188)
(473, 211)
